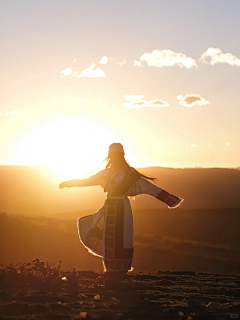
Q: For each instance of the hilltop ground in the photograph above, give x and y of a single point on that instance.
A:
(39, 291)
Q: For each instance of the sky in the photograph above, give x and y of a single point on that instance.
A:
(160, 77)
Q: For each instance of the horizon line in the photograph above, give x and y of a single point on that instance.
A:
(196, 167)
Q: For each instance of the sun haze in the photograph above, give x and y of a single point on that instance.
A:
(157, 77)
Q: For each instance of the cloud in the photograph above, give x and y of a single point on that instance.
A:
(137, 102)
(165, 58)
(90, 72)
(121, 63)
(137, 63)
(190, 100)
(217, 56)
(67, 72)
(103, 60)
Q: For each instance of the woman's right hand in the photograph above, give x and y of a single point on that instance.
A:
(69, 184)
(64, 184)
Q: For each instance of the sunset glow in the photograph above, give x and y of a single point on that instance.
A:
(68, 146)
(78, 76)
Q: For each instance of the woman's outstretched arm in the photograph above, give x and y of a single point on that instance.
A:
(95, 180)
(143, 186)
(75, 183)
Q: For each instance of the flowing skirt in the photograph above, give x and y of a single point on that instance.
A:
(109, 234)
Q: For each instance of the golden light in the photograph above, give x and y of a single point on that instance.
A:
(69, 146)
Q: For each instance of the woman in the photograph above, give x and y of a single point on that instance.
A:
(109, 232)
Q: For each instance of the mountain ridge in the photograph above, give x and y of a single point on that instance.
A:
(35, 190)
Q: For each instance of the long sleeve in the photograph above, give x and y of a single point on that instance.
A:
(98, 179)
(143, 186)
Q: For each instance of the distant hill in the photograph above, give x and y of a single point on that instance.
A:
(188, 239)
(200, 187)
(32, 190)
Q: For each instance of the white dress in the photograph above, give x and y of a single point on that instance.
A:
(109, 232)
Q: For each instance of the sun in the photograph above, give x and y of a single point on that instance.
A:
(69, 146)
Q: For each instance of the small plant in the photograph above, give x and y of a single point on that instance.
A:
(37, 275)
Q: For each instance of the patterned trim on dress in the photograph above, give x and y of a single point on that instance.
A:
(116, 257)
(171, 200)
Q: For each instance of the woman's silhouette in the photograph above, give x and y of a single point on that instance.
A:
(108, 233)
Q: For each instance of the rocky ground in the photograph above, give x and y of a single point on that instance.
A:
(40, 291)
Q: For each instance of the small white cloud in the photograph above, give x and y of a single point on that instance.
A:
(67, 72)
(217, 56)
(193, 145)
(6, 113)
(227, 144)
(137, 63)
(90, 72)
(103, 60)
(133, 97)
(136, 102)
(158, 103)
(166, 58)
(121, 63)
(211, 52)
(14, 112)
(190, 100)
(75, 60)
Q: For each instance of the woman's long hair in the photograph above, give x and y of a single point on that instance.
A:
(127, 167)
